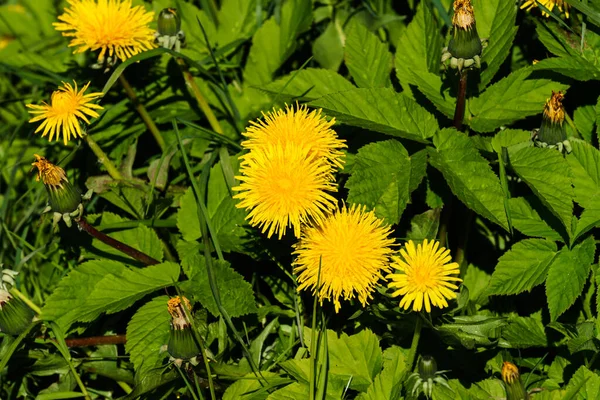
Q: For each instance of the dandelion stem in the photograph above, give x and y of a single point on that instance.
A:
(415, 343)
(30, 304)
(459, 111)
(96, 341)
(143, 112)
(103, 158)
(130, 251)
(202, 103)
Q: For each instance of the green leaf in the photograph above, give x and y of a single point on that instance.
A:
(425, 226)
(523, 267)
(388, 382)
(477, 281)
(574, 66)
(501, 34)
(510, 99)
(567, 275)
(379, 179)
(328, 48)
(380, 110)
(509, 137)
(524, 332)
(471, 331)
(432, 86)
(309, 84)
(235, 293)
(237, 20)
(367, 59)
(140, 238)
(147, 332)
(273, 43)
(469, 175)
(527, 220)
(553, 38)
(250, 388)
(585, 161)
(548, 175)
(356, 359)
(98, 287)
(588, 383)
(585, 121)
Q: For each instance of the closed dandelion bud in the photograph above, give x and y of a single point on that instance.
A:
(427, 367)
(15, 315)
(553, 129)
(169, 22)
(182, 344)
(465, 47)
(512, 382)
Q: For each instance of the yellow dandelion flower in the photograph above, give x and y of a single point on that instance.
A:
(51, 175)
(351, 249)
(61, 116)
(283, 186)
(424, 276)
(297, 127)
(112, 26)
(549, 4)
(553, 109)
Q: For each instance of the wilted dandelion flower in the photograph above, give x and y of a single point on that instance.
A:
(424, 276)
(112, 26)
(549, 4)
(284, 186)
(61, 116)
(350, 249)
(297, 127)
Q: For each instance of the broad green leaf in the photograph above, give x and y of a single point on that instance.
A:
(574, 66)
(432, 86)
(523, 267)
(380, 110)
(379, 179)
(471, 331)
(250, 387)
(524, 332)
(469, 175)
(554, 39)
(501, 34)
(418, 50)
(309, 84)
(237, 20)
(388, 382)
(273, 43)
(477, 281)
(425, 226)
(548, 175)
(585, 340)
(585, 121)
(140, 238)
(147, 332)
(367, 58)
(585, 166)
(567, 275)
(455, 392)
(509, 137)
(527, 220)
(328, 48)
(235, 293)
(357, 358)
(588, 383)
(510, 99)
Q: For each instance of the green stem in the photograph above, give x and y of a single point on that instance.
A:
(143, 112)
(103, 158)
(412, 353)
(202, 103)
(29, 303)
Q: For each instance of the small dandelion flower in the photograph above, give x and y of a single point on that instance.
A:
(182, 345)
(424, 276)
(297, 127)
(283, 186)
(553, 132)
(512, 382)
(553, 109)
(61, 116)
(350, 249)
(549, 4)
(111, 26)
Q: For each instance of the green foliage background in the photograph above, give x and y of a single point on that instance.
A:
(521, 220)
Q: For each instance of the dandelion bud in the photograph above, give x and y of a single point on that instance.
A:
(182, 344)
(15, 315)
(427, 367)
(552, 129)
(169, 22)
(512, 382)
(465, 47)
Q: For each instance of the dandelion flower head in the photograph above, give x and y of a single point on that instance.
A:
(61, 116)
(347, 254)
(297, 127)
(112, 26)
(464, 16)
(284, 186)
(424, 276)
(51, 175)
(553, 109)
(549, 4)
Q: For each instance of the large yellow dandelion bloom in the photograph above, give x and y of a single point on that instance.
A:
(549, 4)
(284, 186)
(297, 127)
(112, 26)
(424, 276)
(61, 116)
(350, 249)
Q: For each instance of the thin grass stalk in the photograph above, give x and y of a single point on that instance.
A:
(103, 158)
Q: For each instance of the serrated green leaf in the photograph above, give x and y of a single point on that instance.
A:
(388, 382)
(309, 84)
(575, 67)
(367, 59)
(524, 332)
(553, 38)
(510, 99)
(523, 267)
(469, 175)
(567, 275)
(548, 175)
(250, 388)
(501, 34)
(509, 137)
(380, 110)
(587, 382)
(147, 332)
(236, 294)
(140, 238)
(328, 48)
(424, 226)
(477, 281)
(471, 331)
(379, 179)
(237, 20)
(527, 220)
(584, 118)
(432, 86)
